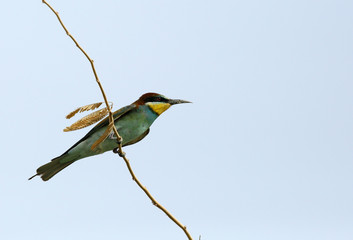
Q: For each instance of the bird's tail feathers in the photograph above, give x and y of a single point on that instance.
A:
(48, 170)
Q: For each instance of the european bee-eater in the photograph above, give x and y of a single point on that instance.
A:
(132, 122)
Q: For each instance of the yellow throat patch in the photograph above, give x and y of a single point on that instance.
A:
(158, 108)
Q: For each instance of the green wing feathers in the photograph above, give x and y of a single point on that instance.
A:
(48, 170)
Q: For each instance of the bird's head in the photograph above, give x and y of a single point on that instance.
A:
(157, 102)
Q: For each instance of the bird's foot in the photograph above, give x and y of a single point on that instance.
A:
(117, 150)
(113, 137)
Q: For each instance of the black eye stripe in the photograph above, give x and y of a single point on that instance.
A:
(156, 99)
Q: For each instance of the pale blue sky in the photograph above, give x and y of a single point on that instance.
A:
(264, 152)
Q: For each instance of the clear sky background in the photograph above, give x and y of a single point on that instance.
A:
(264, 151)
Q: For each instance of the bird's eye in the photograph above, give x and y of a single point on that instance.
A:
(157, 99)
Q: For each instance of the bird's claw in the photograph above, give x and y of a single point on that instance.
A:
(117, 150)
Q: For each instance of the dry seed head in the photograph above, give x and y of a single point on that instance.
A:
(84, 108)
(87, 120)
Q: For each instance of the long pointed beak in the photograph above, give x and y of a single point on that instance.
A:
(177, 101)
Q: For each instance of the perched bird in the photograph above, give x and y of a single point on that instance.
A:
(132, 122)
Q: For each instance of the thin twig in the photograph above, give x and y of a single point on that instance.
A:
(93, 68)
(119, 138)
(154, 202)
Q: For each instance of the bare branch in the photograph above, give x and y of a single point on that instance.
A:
(154, 201)
(93, 68)
(119, 139)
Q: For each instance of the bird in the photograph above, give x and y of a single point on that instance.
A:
(132, 122)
